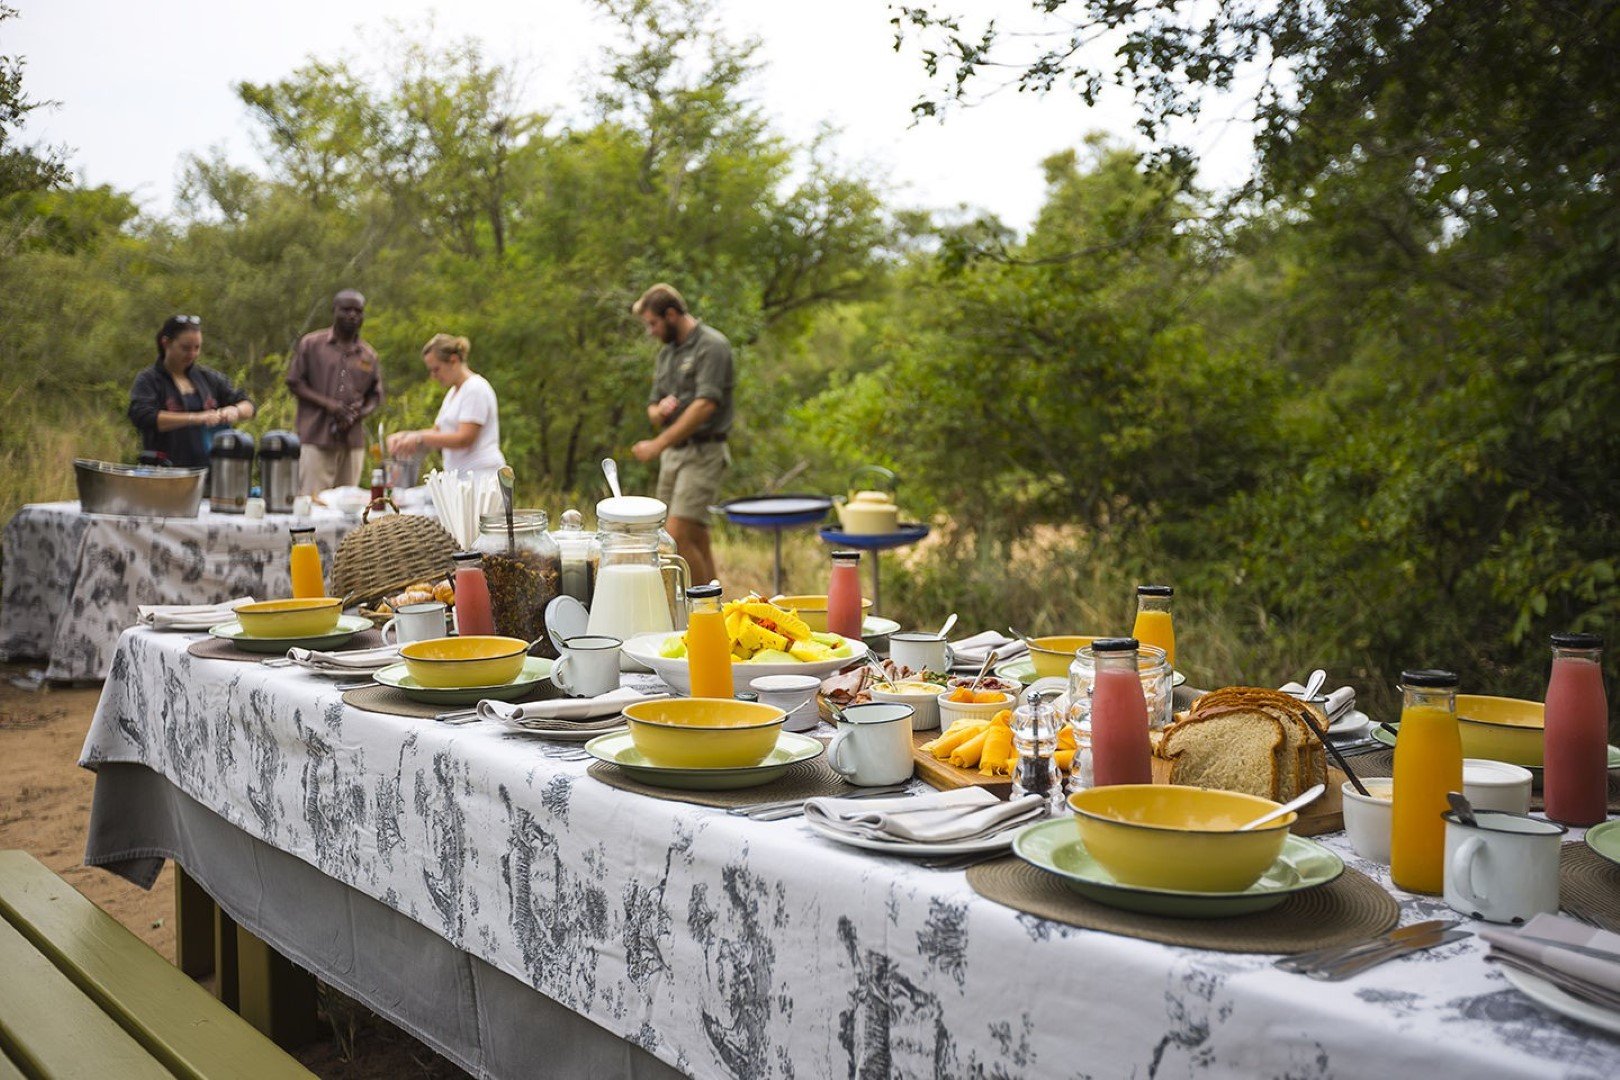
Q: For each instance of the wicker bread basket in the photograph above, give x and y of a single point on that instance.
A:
(383, 556)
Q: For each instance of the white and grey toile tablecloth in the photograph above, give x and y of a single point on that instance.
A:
(733, 948)
(73, 581)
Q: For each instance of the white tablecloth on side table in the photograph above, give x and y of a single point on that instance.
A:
(72, 580)
(728, 947)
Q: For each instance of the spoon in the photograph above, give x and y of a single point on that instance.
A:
(984, 668)
(1464, 809)
(507, 480)
(1295, 803)
(1021, 636)
(610, 469)
(950, 622)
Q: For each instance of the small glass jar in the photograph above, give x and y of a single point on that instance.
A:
(524, 574)
(1156, 686)
(580, 556)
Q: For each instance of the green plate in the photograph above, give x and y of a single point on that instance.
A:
(347, 627)
(1383, 735)
(535, 669)
(1022, 670)
(1605, 840)
(1055, 846)
(616, 748)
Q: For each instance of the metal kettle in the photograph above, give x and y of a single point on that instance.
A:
(230, 472)
(278, 470)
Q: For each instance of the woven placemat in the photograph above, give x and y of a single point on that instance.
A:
(1589, 885)
(213, 648)
(1352, 908)
(1382, 763)
(806, 780)
(386, 699)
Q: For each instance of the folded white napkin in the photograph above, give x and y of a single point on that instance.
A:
(346, 660)
(972, 650)
(536, 714)
(963, 814)
(188, 616)
(1338, 702)
(1603, 976)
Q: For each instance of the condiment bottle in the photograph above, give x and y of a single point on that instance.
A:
(1153, 622)
(304, 563)
(1035, 728)
(844, 595)
(708, 646)
(1575, 772)
(1428, 763)
(1120, 751)
(474, 613)
(379, 488)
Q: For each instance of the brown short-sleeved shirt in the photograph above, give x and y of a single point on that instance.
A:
(699, 367)
(346, 373)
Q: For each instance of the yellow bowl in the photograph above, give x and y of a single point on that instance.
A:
(310, 616)
(457, 663)
(813, 609)
(1161, 836)
(1053, 655)
(704, 733)
(1501, 729)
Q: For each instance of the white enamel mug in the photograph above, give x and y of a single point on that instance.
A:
(589, 666)
(1503, 870)
(794, 695)
(873, 747)
(415, 622)
(920, 652)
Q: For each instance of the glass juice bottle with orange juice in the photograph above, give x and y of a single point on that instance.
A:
(1153, 623)
(1428, 763)
(708, 646)
(304, 563)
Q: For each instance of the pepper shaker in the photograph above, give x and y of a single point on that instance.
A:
(1035, 730)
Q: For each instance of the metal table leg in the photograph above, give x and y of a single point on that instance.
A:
(778, 577)
(877, 587)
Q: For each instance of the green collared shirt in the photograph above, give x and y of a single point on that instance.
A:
(699, 367)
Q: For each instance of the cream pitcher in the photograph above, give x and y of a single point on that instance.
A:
(640, 588)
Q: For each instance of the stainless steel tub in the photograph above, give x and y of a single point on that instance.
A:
(106, 487)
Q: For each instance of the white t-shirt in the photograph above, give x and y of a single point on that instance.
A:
(474, 402)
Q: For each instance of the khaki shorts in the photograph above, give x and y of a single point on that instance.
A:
(322, 467)
(689, 479)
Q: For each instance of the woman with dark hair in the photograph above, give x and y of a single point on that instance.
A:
(177, 404)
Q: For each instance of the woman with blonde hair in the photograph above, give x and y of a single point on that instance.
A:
(468, 427)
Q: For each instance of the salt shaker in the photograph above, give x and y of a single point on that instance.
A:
(1035, 731)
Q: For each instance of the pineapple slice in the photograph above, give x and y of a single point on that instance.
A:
(809, 652)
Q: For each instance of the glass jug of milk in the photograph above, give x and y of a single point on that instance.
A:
(636, 558)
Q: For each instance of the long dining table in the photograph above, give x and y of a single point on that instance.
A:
(485, 893)
(73, 581)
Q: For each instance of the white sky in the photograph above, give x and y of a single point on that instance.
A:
(140, 84)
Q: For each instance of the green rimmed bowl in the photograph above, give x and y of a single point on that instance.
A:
(618, 748)
(1053, 847)
(535, 670)
(347, 627)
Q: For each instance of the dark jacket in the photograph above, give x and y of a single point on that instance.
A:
(155, 391)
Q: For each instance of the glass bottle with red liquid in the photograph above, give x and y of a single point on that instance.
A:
(474, 613)
(844, 595)
(1575, 770)
(1120, 750)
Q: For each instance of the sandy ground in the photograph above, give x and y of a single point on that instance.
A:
(45, 809)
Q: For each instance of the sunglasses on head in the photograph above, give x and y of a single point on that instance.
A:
(189, 320)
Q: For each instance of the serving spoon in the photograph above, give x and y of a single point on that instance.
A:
(610, 469)
(949, 623)
(1304, 797)
(508, 478)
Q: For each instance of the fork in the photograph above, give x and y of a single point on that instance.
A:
(962, 862)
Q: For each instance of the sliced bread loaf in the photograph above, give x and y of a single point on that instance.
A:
(1233, 749)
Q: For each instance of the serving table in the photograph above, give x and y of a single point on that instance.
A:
(73, 581)
(509, 909)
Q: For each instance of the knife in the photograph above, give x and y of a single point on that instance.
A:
(1345, 969)
(1585, 950)
(1299, 962)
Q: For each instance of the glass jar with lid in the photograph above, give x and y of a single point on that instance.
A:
(640, 520)
(580, 556)
(1156, 686)
(524, 574)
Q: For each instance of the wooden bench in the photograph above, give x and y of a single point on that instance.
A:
(82, 996)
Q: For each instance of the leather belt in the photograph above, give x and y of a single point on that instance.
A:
(718, 436)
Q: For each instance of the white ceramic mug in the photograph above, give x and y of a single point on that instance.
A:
(1497, 785)
(589, 666)
(415, 622)
(920, 652)
(794, 695)
(303, 506)
(874, 747)
(1505, 868)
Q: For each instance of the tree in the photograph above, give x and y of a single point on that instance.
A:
(22, 168)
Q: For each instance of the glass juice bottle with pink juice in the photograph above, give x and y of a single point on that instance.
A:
(844, 595)
(1575, 772)
(1120, 751)
(474, 612)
